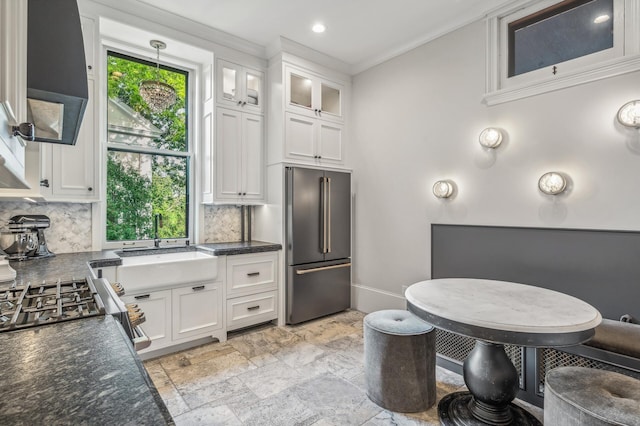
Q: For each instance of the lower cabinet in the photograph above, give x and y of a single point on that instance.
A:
(252, 288)
(181, 314)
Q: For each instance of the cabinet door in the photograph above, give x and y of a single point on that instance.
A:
(239, 87)
(228, 153)
(252, 157)
(157, 311)
(329, 142)
(197, 310)
(300, 137)
(72, 168)
(312, 95)
(13, 91)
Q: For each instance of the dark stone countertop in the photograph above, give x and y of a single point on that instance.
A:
(80, 372)
(75, 265)
(241, 247)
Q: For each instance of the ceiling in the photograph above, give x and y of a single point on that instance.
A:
(360, 33)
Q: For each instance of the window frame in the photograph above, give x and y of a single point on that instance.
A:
(190, 154)
(622, 58)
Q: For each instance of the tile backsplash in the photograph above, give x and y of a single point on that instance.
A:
(70, 229)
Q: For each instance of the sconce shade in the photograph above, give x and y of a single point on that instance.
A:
(629, 114)
(443, 189)
(490, 137)
(552, 183)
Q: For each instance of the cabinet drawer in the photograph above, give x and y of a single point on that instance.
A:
(249, 310)
(247, 274)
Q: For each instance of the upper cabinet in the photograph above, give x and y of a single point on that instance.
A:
(13, 91)
(233, 166)
(71, 172)
(307, 114)
(313, 95)
(239, 157)
(239, 87)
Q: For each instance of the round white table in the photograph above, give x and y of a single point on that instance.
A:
(496, 313)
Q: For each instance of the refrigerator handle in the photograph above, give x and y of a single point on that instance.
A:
(323, 235)
(322, 268)
(328, 215)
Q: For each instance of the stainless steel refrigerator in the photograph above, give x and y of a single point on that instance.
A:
(318, 243)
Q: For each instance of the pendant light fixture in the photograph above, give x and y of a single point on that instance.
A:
(157, 94)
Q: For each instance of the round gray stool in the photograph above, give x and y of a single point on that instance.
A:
(399, 361)
(579, 396)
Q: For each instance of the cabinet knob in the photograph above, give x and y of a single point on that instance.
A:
(45, 183)
(239, 102)
(90, 189)
(89, 67)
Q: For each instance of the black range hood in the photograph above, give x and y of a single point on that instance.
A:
(57, 92)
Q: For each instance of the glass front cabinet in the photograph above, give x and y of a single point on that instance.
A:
(239, 87)
(313, 95)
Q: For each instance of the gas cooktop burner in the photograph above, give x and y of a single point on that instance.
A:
(31, 305)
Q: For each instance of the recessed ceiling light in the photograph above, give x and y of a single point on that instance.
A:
(318, 28)
(600, 19)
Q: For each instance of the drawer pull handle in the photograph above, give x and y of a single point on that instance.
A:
(197, 288)
(144, 296)
(253, 274)
(253, 308)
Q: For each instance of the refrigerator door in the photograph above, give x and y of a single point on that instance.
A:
(304, 215)
(316, 290)
(338, 223)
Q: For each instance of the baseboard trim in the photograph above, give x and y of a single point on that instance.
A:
(369, 299)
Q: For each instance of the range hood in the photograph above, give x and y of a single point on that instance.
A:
(57, 92)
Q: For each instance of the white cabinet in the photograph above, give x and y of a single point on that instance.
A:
(313, 95)
(181, 314)
(252, 288)
(197, 310)
(239, 87)
(312, 140)
(156, 306)
(71, 172)
(308, 117)
(13, 91)
(239, 153)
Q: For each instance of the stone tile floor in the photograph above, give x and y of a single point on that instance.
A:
(310, 374)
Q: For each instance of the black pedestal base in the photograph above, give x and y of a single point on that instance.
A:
(454, 410)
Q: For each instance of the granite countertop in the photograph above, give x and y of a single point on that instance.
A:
(76, 372)
(74, 265)
(82, 371)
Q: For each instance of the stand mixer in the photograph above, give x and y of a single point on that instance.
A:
(25, 237)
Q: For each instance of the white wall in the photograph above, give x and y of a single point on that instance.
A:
(416, 119)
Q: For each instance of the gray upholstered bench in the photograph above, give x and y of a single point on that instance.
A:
(400, 361)
(579, 396)
(618, 337)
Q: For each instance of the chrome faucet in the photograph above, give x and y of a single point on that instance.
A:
(157, 223)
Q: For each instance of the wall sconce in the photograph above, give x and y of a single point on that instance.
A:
(443, 189)
(491, 137)
(629, 114)
(552, 183)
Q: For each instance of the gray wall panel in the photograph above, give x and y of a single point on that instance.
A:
(599, 267)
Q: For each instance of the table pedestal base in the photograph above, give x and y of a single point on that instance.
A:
(492, 381)
(454, 410)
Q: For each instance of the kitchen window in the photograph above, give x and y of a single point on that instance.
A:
(148, 155)
(535, 47)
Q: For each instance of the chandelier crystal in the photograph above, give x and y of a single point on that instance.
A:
(157, 94)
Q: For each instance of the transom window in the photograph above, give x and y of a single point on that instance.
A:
(559, 33)
(148, 155)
